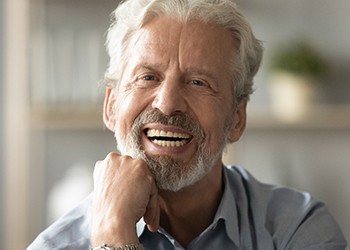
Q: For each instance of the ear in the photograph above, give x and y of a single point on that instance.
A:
(109, 118)
(239, 122)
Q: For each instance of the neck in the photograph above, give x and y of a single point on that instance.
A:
(187, 213)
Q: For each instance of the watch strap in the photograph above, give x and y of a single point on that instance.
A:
(136, 246)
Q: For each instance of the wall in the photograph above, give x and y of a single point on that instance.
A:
(1, 119)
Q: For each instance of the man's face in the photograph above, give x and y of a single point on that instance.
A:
(174, 104)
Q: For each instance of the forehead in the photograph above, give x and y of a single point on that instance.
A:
(190, 44)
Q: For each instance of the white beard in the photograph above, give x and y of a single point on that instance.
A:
(169, 174)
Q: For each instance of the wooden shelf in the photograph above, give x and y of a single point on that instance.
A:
(67, 117)
(319, 117)
(259, 118)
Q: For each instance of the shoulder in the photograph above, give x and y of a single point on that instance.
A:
(71, 231)
(274, 203)
(293, 219)
(258, 193)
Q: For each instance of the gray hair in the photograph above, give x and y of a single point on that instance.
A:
(131, 15)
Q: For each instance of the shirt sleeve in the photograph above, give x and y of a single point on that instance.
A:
(316, 229)
(297, 221)
(70, 232)
(283, 218)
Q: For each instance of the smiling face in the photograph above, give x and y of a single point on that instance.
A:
(174, 104)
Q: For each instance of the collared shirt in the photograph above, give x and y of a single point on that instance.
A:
(251, 215)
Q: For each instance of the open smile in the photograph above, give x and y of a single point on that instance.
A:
(168, 139)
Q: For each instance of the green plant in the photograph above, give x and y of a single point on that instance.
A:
(300, 58)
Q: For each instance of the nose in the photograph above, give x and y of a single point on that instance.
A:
(169, 98)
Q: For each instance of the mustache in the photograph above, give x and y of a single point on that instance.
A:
(179, 120)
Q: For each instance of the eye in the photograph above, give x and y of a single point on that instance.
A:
(198, 83)
(204, 86)
(149, 78)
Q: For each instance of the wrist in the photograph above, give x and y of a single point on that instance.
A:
(114, 234)
(137, 246)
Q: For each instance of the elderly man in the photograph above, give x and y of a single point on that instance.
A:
(179, 80)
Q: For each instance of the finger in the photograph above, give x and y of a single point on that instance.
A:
(96, 171)
(152, 214)
(102, 165)
(156, 220)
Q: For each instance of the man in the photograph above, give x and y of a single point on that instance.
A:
(180, 76)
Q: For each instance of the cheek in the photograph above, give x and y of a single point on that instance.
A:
(213, 121)
(128, 107)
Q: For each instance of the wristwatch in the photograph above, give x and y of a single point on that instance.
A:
(137, 246)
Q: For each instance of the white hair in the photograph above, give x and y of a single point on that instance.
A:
(131, 15)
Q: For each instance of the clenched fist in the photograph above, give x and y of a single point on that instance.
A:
(124, 192)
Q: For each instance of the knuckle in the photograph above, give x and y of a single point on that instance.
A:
(112, 156)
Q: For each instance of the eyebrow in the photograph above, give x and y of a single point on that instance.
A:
(202, 72)
(147, 65)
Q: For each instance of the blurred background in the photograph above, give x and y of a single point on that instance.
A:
(52, 58)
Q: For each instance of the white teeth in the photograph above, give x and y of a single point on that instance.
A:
(169, 143)
(182, 138)
(162, 133)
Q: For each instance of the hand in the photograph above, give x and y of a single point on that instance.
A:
(124, 192)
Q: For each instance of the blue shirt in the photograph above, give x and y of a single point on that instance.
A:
(251, 215)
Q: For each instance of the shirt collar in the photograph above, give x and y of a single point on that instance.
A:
(227, 212)
(140, 227)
